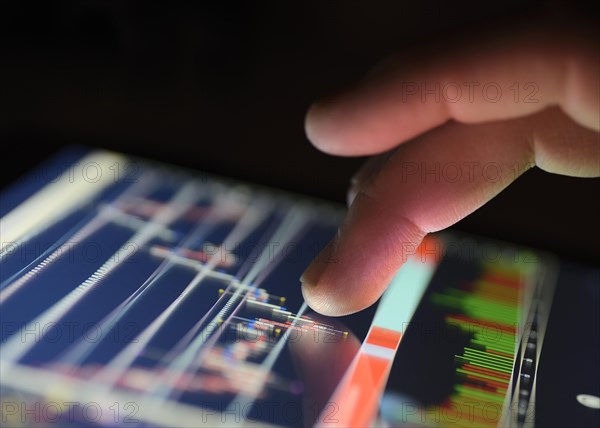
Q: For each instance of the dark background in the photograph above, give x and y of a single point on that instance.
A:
(223, 87)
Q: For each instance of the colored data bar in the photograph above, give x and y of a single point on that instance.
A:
(358, 394)
(488, 310)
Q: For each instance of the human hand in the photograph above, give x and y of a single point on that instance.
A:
(456, 122)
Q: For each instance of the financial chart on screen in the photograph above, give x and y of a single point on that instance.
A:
(133, 293)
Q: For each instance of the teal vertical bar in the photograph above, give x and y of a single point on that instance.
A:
(403, 295)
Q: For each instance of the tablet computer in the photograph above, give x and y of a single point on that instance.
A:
(134, 293)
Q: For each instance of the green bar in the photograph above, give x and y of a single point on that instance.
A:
(480, 394)
(510, 345)
(499, 358)
(486, 363)
(478, 330)
(495, 347)
(501, 307)
(494, 363)
(462, 298)
(482, 364)
(488, 357)
(481, 324)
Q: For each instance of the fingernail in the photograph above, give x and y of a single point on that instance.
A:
(352, 191)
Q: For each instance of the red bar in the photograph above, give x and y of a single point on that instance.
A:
(384, 337)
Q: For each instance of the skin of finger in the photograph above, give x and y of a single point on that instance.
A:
(363, 257)
(560, 146)
(505, 75)
(370, 168)
(403, 204)
(428, 185)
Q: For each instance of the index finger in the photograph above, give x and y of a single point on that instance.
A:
(520, 71)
